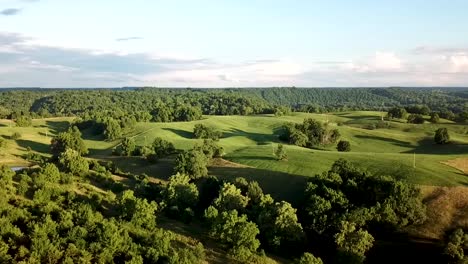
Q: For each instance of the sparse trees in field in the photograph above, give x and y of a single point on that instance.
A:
(442, 136)
(343, 146)
(280, 153)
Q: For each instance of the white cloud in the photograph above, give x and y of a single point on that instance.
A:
(459, 62)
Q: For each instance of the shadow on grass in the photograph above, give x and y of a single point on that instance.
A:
(389, 140)
(56, 127)
(281, 186)
(35, 146)
(261, 139)
(162, 170)
(179, 132)
(428, 146)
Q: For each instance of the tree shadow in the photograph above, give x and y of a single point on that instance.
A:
(181, 133)
(56, 127)
(428, 146)
(280, 185)
(261, 139)
(389, 140)
(162, 170)
(35, 146)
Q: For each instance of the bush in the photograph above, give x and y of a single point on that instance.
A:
(442, 136)
(205, 132)
(16, 136)
(415, 119)
(343, 146)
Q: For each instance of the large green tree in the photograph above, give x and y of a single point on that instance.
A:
(70, 139)
(442, 136)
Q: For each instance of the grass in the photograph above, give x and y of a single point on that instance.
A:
(250, 140)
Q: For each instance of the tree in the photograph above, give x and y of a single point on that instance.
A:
(434, 118)
(70, 139)
(72, 161)
(180, 192)
(397, 112)
(127, 146)
(308, 258)
(280, 153)
(237, 233)
(193, 163)
(51, 173)
(138, 211)
(2, 143)
(279, 225)
(454, 247)
(353, 242)
(112, 129)
(415, 119)
(162, 147)
(205, 132)
(442, 136)
(343, 146)
(230, 198)
(24, 121)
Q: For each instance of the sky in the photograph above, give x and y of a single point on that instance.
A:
(233, 43)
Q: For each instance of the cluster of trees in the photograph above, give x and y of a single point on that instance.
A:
(206, 132)
(194, 162)
(158, 149)
(112, 125)
(347, 207)
(311, 133)
(45, 221)
(237, 214)
(416, 114)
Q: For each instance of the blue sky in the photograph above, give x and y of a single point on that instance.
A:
(238, 43)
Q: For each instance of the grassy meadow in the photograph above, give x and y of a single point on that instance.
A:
(249, 142)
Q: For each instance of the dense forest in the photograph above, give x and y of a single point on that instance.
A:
(143, 102)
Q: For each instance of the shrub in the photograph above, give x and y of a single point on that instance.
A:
(16, 136)
(343, 146)
(442, 136)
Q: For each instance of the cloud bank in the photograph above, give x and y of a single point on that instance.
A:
(24, 63)
(10, 11)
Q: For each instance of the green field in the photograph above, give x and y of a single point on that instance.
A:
(250, 141)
